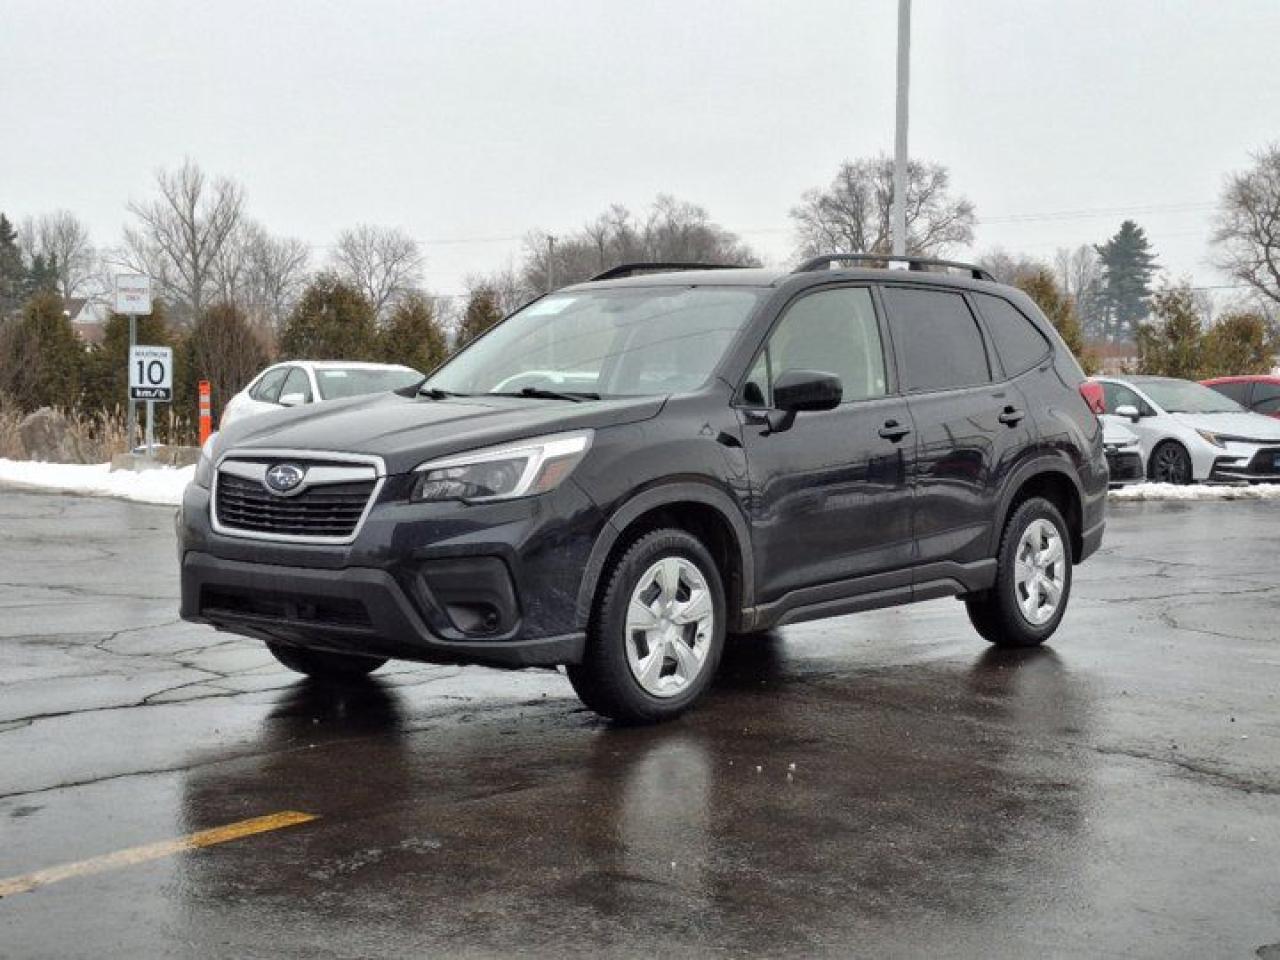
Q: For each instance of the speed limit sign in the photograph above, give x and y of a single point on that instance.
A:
(151, 373)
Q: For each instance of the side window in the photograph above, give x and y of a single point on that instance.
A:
(832, 331)
(1266, 397)
(937, 340)
(1017, 341)
(268, 388)
(1117, 395)
(297, 382)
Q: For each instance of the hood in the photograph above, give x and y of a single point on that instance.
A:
(1253, 426)
(405, 431)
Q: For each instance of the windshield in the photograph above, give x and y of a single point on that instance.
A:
(1183, 396)
(335, 382)
(621, 342)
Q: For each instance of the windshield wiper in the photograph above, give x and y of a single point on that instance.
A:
(577, 396)
(435, 393)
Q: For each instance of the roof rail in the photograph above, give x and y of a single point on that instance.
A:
(658, 266)
(913, 263)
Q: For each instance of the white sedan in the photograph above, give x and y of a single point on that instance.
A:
(294, 383)
(1191, 434)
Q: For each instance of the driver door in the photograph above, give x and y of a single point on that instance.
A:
(830, 494)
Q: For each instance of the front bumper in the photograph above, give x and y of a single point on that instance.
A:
(1124, 466)
(443, 583)
(1253, 465)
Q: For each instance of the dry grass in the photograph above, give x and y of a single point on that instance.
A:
(98, 435)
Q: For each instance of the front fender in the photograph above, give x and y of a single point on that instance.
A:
(702, 492)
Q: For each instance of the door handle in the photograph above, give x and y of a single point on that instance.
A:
(1011, 416)
(894, 431)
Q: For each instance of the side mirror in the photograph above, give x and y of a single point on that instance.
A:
(1130, 411)
(798, 391)
(293, 399)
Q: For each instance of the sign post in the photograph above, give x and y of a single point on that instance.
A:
(133, 299)
(150, 379)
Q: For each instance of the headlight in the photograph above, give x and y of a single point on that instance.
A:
(1212, 438)
(204, 468)
(502, 473)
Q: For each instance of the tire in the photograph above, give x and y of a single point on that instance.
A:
(1005, 615)
(323, 664)
(1170, 463)
(678, 655)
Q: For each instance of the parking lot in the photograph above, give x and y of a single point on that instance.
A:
(880, 785)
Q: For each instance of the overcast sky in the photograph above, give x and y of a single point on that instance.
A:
(471, 123)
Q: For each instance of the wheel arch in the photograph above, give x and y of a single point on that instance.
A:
(1056, 482)
(700, 508)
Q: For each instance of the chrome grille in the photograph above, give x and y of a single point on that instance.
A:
(326, 507)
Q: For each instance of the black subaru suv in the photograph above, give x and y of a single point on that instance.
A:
(626, 472)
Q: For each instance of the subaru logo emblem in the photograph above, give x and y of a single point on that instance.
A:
(283, 478)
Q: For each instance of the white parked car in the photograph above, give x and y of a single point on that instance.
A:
(1123, 450)
(297, 382)
(1191, 434)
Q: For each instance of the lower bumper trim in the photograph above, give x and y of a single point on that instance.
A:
(353, 610)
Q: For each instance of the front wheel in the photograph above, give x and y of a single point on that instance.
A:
(323, 664)
(1033, 579)
(1170, 463)
(657, 632)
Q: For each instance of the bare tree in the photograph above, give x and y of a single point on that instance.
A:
(383, 263)
(671, 229)
(1011, 268)
(261, 274)
(1248, 226)
(853, 214)
(508, 291)
(62, 239)
(181, 234)
(1078, 271)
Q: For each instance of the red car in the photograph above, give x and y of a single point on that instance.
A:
(1259, 392)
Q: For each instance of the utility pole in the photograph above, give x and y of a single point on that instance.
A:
(900, 138)
(551, 263)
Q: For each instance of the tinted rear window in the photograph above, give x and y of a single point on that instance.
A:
(1017, 341)
(1237, 391)
(936, 338)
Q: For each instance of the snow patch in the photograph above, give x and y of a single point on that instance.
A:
(163, 485)
(1195, 491)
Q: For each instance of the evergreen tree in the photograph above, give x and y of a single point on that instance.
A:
(1127, 266)
(13, 274)
(1238, 344)
(412, 335)
(43, 275)
(1043, 288)
(44, 360)
(224, 349)
(332, 321)
(1171, 344)
(482, 313)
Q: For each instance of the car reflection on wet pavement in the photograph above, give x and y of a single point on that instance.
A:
(883, 784)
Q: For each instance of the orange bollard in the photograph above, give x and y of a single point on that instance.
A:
(206, 412)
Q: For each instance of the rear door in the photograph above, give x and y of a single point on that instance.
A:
(831, 499)
(972, 429)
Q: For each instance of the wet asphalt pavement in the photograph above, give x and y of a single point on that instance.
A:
(877, 785)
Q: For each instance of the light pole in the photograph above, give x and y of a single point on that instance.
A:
(900, 138)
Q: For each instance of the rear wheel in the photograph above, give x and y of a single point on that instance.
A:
(1033, 579)
(657, 632)
(323, 664)
(1170, 463)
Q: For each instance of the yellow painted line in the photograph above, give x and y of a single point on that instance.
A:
(152, 851)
